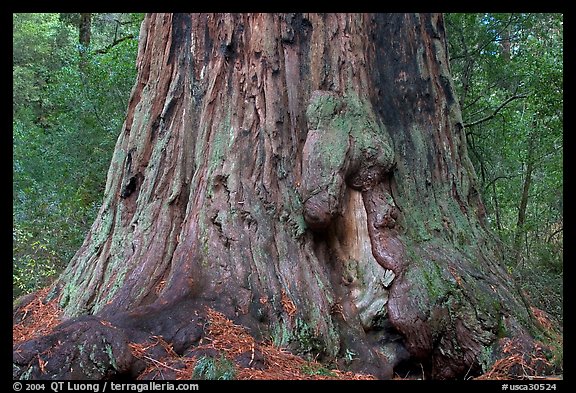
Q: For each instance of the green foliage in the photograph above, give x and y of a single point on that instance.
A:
(350, 355)
(281, 335)
(34, 262)
(66, 119)
(508, 70)
(486, 359)
(308, 342)
(316, 369)
(557, 355)
(301, 336)
(214, 369)
(37, 52)
(544, 287)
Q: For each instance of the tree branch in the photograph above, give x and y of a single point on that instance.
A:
(490, 116)
(556, 232)
(493, 181)
(114, 43)
(479, 47)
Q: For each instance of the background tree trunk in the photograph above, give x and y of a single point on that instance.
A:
(84, 39)
(306, 175)
(524, 196)
(84, 36)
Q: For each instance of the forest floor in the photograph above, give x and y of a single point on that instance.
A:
(233, 353)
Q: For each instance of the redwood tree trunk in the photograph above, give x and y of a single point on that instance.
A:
(307, 176)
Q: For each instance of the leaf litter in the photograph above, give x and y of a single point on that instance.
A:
(266, 361)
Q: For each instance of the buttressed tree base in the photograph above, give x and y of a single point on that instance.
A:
(305, 175)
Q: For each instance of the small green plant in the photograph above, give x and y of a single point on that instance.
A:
(558, 356)
(280, 336)
(501, 328)
(316, 369)
(350, 355)
(214, 369)
(304, 334)
(34, 262)
(486, 359)
(554, 352)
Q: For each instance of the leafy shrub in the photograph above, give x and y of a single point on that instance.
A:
(209, 368)
(66, 119)
(316, 369)
(34, 262)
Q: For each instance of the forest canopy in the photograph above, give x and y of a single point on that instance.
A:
(508, 70)
(66, 119)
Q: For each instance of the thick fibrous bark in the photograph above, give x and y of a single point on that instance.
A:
(306, 175)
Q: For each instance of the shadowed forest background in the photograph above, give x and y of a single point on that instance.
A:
(73, 74)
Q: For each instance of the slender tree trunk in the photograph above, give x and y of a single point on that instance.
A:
(496, 207)
(521, 221)
(506, 44)
(304, 174)
(84, 32)
(84, 38)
